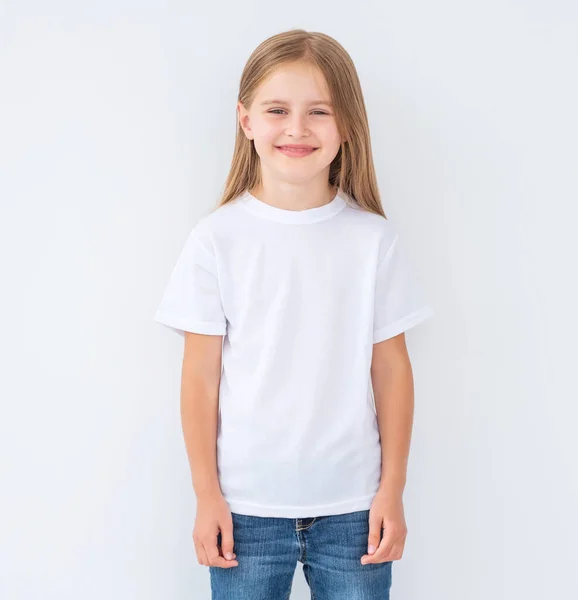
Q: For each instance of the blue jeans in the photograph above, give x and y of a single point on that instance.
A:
(330, 548)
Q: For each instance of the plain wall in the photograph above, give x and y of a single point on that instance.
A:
(117, 123)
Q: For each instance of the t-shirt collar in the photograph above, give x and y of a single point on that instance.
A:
(283, 215)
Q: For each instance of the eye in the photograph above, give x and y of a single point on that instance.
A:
(274, 111)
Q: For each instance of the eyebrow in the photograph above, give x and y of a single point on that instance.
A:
(285, 102)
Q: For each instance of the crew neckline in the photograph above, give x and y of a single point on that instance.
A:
(284, 215)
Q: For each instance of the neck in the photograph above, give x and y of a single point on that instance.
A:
(294, 196)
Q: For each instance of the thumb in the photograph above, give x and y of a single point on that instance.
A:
(227, 541)
(374, 534)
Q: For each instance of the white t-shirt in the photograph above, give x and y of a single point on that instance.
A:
(301, 297)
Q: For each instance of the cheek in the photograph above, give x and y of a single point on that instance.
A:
(267, 131)
(329, 134)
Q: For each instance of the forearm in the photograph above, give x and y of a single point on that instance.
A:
(199, 414)
(394, 399)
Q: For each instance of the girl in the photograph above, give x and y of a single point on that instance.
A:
(293, 298)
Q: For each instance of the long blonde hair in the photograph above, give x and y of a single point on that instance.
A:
(352, 169)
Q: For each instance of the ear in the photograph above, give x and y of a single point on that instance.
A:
(243, 119)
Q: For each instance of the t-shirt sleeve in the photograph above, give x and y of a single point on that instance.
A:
(192, 299)
(400, 302)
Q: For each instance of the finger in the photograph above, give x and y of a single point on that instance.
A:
(222, 563)
(227, 542)
(215, 560)
(382, 550)
(375, 524)
(221, 553)
(201, 554)
(397, 550)
(395, 554)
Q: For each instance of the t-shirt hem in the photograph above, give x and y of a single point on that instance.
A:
(300, 512)
(180, 324)
(403, 324)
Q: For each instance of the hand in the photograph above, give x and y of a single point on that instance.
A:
(213, 516)
(386, 511)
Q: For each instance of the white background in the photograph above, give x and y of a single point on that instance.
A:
(117, 125)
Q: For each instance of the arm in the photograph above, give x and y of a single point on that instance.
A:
(201, 376)
(392, 380)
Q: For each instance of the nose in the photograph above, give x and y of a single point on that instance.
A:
(297, 126)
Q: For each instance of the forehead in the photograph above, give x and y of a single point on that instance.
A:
(298, 82)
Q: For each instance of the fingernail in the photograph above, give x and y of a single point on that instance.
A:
(371, 550)
(229, 556)
(364, 561)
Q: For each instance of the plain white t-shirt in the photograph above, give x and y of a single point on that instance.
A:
(300, 298)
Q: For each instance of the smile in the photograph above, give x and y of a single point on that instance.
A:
(295, 151)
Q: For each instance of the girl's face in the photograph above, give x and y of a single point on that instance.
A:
(292, 107)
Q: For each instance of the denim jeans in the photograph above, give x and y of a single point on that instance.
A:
(329, 547)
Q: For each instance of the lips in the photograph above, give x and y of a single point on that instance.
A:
(296, 150)
(297, 147)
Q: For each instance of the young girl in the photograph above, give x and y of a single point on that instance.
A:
(293, 298)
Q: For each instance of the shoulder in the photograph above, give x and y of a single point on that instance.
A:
(371, 225)
(215, 223)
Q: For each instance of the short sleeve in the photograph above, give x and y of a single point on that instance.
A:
(400, 302)
(192, 300)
